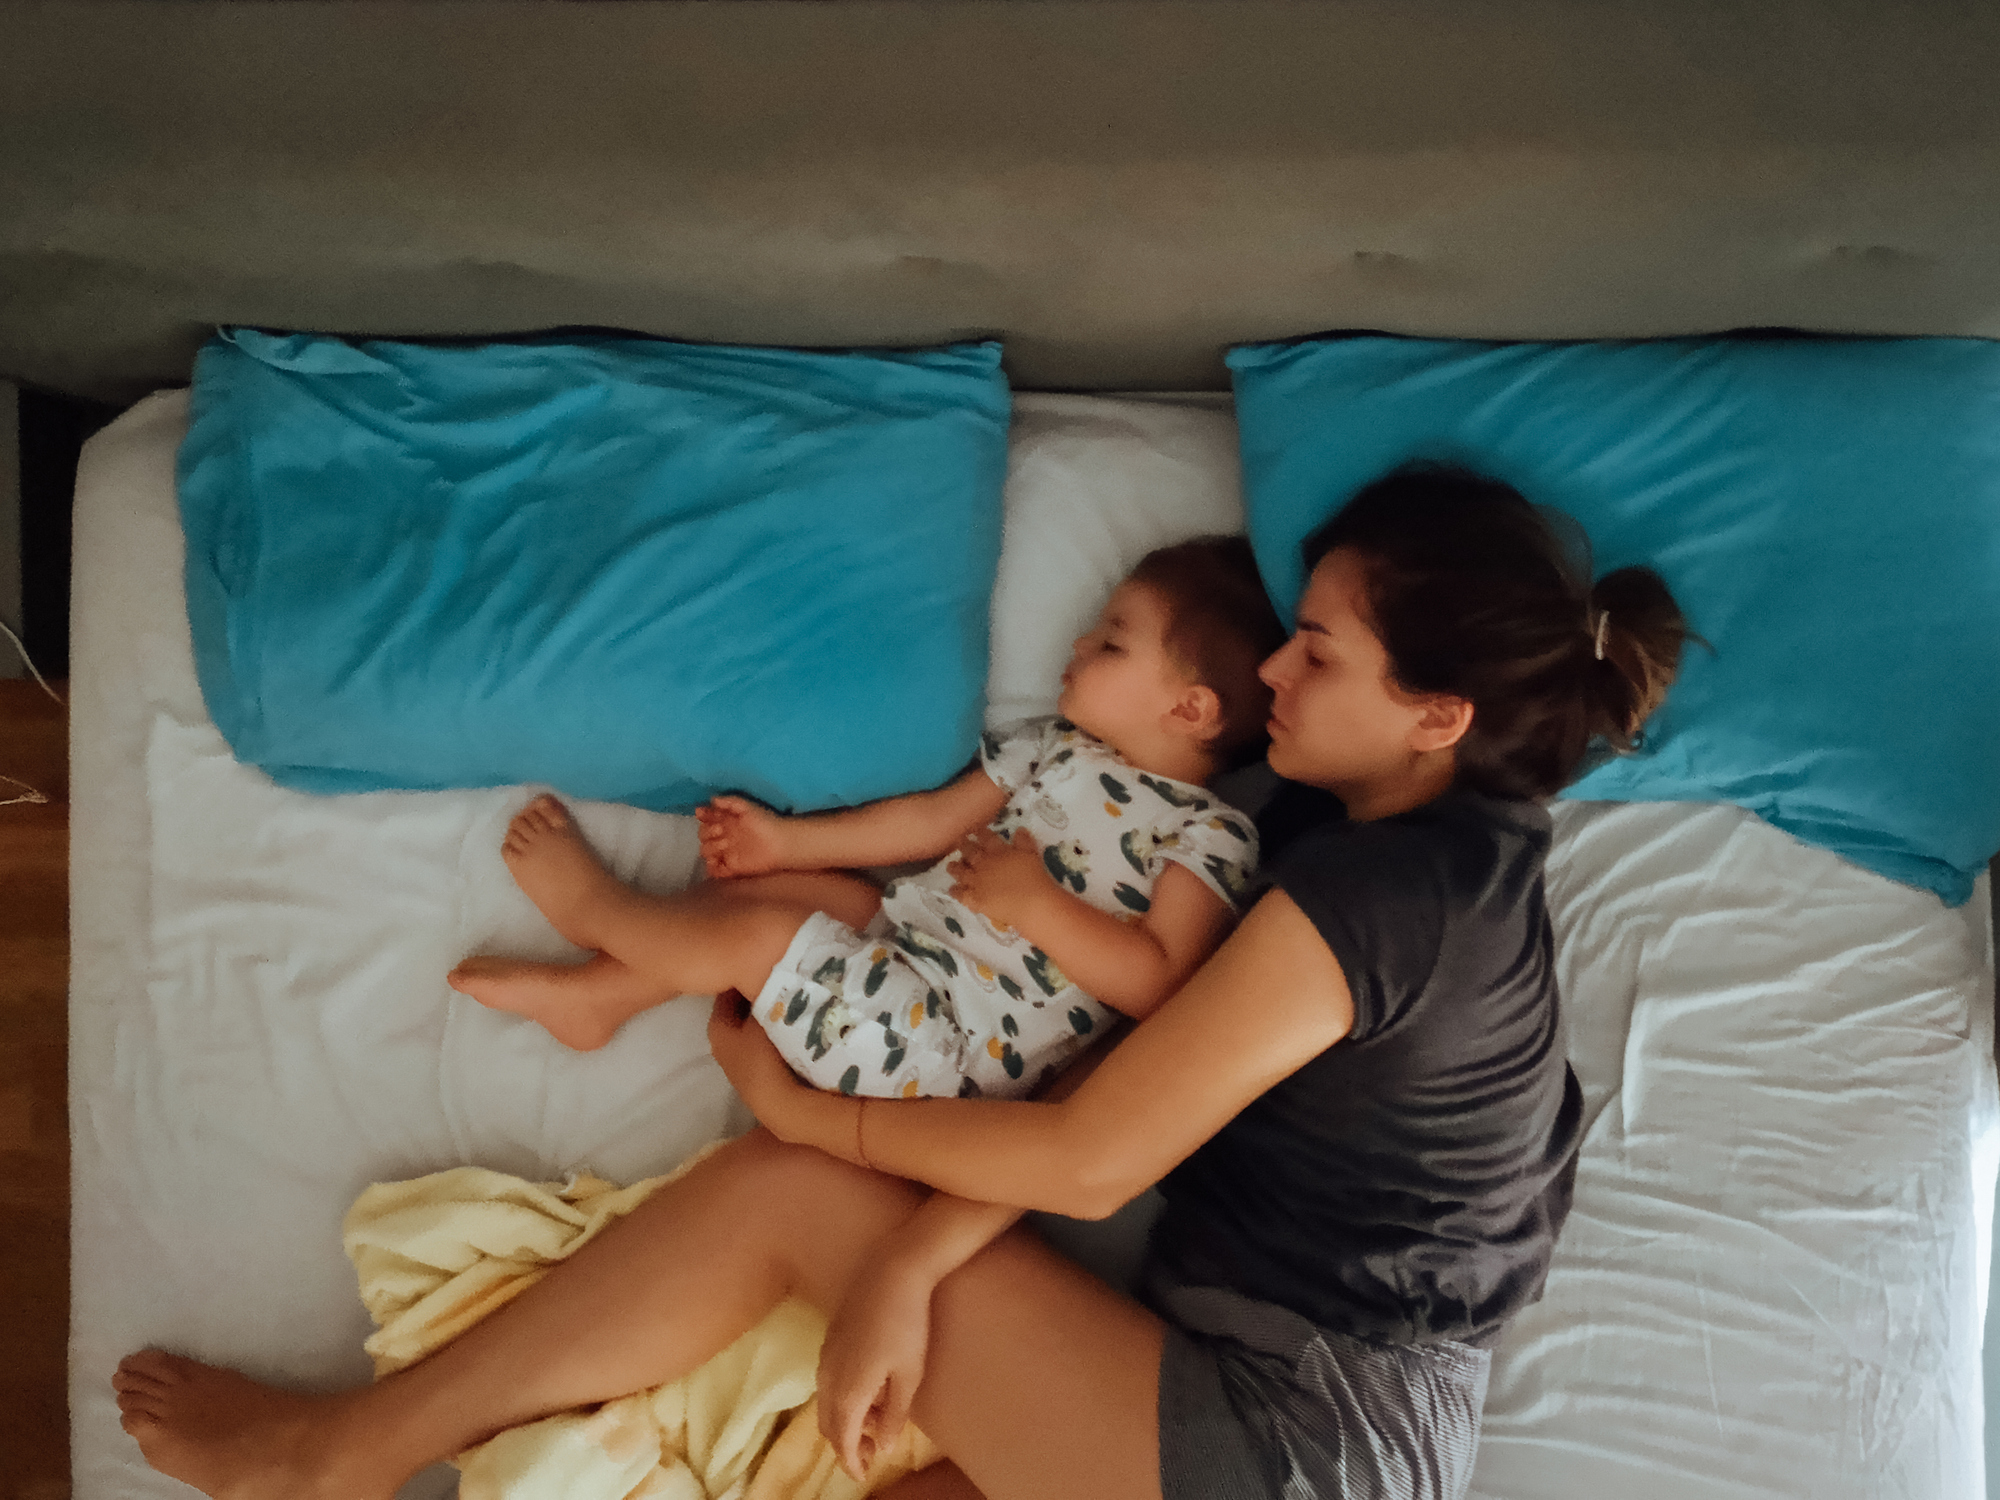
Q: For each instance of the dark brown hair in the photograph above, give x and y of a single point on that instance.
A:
(1476, 593)
(1220, 627)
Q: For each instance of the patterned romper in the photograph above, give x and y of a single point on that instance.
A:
(932, 998)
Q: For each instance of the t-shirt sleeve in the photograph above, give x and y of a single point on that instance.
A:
(1014, 754)
(1380, 905)
(1219, 848)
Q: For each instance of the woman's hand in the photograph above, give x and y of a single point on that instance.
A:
(1002, 881)
(873, 1361)
(738, 837)
(753, 1064)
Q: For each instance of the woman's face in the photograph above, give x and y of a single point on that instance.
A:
(1337, 719)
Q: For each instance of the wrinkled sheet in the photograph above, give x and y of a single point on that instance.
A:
(1773, 1279)
(1771, 1285)
(435, 1254)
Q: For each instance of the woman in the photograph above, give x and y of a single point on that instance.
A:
(1359, 1112)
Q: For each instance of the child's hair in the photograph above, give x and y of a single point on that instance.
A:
(1477, 593)
(1220, 627)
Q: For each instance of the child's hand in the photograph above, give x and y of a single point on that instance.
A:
(1004, 882)
(872, 1360)
(740, 838)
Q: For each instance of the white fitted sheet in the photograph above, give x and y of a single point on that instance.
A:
(1772, 1283)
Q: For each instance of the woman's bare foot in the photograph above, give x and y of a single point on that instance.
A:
(580, 1005)
(234, 1439)
(561, 873)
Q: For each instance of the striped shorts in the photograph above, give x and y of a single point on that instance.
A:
(1257, 1403)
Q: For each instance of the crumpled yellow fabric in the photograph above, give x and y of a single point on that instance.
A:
(436, 1254)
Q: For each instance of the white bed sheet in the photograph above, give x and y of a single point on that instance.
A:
(1771, 1285)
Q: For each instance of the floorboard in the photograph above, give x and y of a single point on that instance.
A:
(34, 1109)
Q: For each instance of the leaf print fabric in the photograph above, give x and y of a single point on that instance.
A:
(933, 999)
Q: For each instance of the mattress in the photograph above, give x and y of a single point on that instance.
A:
(1772, 1282)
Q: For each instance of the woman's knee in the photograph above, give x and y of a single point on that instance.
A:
(821, 1212)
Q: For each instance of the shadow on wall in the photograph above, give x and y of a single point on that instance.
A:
(53, 430)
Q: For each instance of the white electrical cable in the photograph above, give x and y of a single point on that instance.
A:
(29, 793)
(29, 662)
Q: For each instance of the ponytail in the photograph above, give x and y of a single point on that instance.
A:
(1477, 594)
(1636, 650)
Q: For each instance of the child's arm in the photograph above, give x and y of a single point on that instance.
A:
(738, 837)
(1130, 966)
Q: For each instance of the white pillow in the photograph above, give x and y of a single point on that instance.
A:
(1094, 483)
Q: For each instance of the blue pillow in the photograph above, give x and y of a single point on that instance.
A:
(1827, 511)
(635, 570)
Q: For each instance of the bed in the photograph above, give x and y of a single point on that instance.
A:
(1776, 1264)
(1775, 1278)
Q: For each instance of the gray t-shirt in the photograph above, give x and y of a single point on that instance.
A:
(1407, 1184)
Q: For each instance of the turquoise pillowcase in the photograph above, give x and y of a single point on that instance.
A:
(1827, 512)
(635, 570)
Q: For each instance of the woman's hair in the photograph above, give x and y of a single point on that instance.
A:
(1220, 627)
(1476, 593)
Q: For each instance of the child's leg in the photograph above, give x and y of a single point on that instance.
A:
(581, 1005)
(859, 1018)
(715, 936)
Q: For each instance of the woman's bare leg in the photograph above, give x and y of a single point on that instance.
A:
(943, 1480)
(1042, 1381)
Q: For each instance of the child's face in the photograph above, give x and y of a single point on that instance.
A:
(1121, 681)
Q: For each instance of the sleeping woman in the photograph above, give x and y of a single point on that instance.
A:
(1359, 1112)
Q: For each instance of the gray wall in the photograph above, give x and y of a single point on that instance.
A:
(1119, 188)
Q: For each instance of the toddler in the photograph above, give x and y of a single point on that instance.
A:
(1085, 870)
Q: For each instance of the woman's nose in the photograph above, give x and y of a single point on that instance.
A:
(1271, 668)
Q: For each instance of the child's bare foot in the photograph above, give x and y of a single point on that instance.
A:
(561, 873)
(234, 1439)
(580, 1005)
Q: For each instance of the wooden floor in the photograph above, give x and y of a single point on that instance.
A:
(34, 1118)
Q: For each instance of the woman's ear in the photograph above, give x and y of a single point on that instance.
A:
(1197, 711)
(1442, 721)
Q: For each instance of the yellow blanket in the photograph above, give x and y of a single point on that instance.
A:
(436, 1254)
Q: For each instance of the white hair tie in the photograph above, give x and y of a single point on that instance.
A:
(1598, 634)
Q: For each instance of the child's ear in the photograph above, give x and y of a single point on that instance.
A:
(1197, 710)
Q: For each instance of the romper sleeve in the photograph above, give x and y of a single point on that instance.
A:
(1014, 754)
(1218, 846)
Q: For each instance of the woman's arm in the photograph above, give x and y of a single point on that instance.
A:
(948, 1230)
(872, 1359)
(1130, 964)
(738, 837)
(1271, 999)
